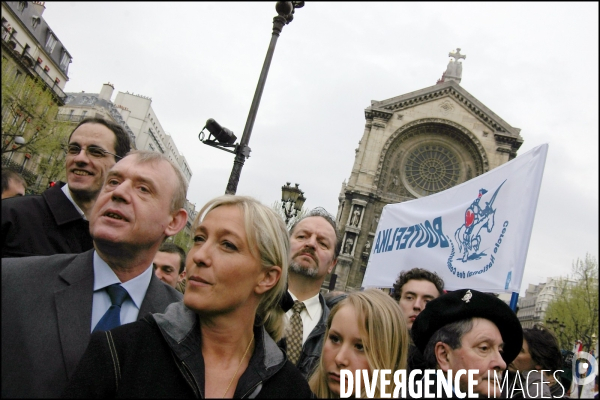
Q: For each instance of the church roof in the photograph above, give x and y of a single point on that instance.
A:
(386, 108)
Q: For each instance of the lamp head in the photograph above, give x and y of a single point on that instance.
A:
(221, 134)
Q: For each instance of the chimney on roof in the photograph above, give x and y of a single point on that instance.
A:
(38, 7)
(107, 91)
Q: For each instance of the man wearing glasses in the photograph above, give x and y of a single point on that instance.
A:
(57, 220)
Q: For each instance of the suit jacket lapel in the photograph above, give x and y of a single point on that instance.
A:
(74, 308)
(155, 299)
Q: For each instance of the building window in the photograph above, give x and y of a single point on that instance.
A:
(35, 21)
(22, 126)
(65, 60)
(22, 6)
(50, 42)
(83, 114)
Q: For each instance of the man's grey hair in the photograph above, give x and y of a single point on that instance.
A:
(145, 156)
(450, 334)
(321, 212)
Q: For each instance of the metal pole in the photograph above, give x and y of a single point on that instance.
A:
(513, 301)
(243, 151)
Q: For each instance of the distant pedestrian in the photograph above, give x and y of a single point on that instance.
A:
(169, 265)
(56, 221)
(13, 184)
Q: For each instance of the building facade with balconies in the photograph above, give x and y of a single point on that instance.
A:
(533, 307)
(35, 67)
(137, 112)
(29, 41)
(79, 106)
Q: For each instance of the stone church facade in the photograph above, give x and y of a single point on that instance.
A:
(415, 145)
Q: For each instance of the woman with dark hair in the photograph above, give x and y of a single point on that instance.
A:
(539, 355)
(221, 340)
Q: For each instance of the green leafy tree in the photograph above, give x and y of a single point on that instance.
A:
(576, 305)
(183, 240)
(29, 110)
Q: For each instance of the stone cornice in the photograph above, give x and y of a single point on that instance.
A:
(514, 142)
(447, 89)
(371, 113)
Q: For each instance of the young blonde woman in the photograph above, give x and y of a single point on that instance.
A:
(221, 341)
(366, 330)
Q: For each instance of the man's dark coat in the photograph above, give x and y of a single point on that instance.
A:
(43, 225)
(46, 320)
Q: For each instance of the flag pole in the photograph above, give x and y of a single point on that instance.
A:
(513, 301)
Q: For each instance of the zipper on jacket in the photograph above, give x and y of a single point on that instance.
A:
(250, 390)
(197, 388)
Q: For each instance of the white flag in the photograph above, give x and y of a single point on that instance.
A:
(474, 235)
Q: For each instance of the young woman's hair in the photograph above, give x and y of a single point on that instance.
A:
(383, 332)
(268, 240)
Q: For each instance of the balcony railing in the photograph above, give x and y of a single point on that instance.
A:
(71, 118)
(25, 58)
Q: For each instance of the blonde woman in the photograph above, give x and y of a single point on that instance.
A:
(366, 330)
(221, 341)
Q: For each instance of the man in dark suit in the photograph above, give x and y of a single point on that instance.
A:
(51, 304)
(56, 222)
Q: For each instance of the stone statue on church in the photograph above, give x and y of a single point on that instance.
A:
(355, 216)
(367, 249)
(374, 224)
(348, 245)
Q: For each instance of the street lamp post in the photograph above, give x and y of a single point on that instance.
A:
(285, 11)
(19, 143)
(292, 200)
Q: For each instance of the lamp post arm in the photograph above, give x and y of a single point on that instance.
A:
(242, 152)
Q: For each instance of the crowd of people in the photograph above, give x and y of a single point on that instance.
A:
(98, 303)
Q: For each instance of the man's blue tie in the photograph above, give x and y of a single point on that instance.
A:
(112, 317)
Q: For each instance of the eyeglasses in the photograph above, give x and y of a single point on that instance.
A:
(93, 151)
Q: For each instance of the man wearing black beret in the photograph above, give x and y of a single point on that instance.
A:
(467, 330)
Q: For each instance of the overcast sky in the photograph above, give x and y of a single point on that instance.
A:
(534, 64)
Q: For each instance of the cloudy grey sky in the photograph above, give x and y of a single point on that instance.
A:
(533, 64)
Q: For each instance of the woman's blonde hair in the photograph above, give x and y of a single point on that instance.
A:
(268, 241)
(383, 332)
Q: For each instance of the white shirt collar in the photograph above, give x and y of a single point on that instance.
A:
(104, 276)
(67, 193)
(313, 305)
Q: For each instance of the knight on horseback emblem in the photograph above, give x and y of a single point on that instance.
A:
(468, 236)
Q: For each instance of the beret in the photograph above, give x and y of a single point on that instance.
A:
(466, 304)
